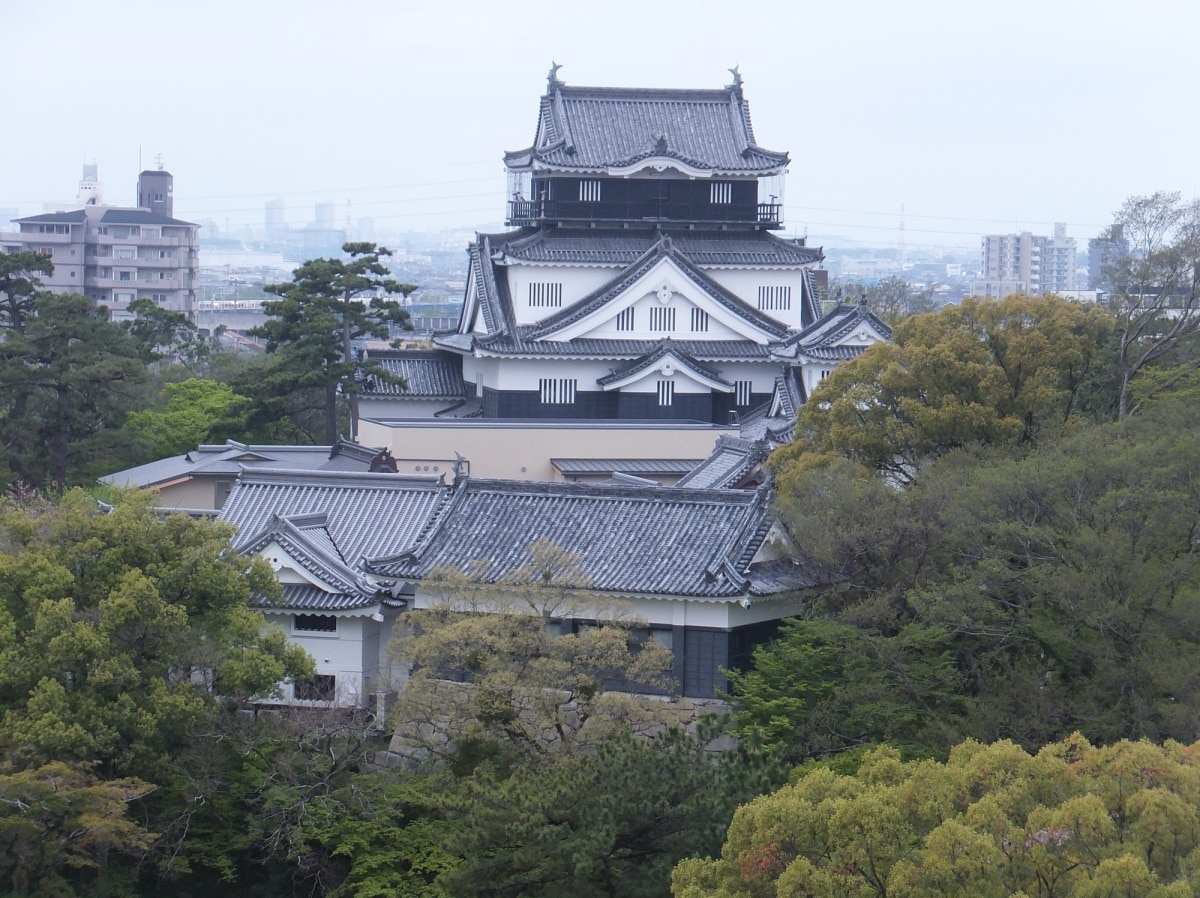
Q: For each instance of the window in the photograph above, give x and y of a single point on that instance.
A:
(699, 320)
(666, 392)
(743, 389)
(662, 319)
(158, 297)
(720, 192)
(166, 275)
(158, 197)
(314, 623)
(119, 296)
(124, 252)
(149, 232)
(46, 250)
(319, 688)
(774, 298)
(124, 275)
(53, 229)
(166, 254)
(557, 390)
(545, 295)
(625, 320)
(123, 231)
(589, 191)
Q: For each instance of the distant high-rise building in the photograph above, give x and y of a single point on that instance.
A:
(1011, 264)
(113, 254)
(1026, 263)
(276, 226)
(1058, 261)
(1102, 252)
(323, 214)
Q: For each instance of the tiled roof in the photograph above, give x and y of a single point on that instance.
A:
(664, 348)
(630, 539)
(711, 249)
(644, 467)
(731, 462)
(428, 375)
(663, 248)
(831, 353)
(309, 544)
(365, 514)
(838, 323)
(595, 128)
(302, 597)
(228, 458)
(701, 350)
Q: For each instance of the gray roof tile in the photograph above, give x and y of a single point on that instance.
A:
(366, 514)
(630, 539)
(645, 467)
(428, 375)
(593, 128)
(228, 458)
(711, 249)
(732, 461)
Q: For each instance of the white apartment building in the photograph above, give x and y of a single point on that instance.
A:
(1026, 263)
(113, 254)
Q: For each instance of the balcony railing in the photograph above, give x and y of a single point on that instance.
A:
(523, 212)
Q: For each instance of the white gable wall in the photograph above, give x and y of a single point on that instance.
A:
(668, 286)
(745, 283)
(574, 283)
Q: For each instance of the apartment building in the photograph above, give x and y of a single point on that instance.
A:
(115, 254)
(1026, 263)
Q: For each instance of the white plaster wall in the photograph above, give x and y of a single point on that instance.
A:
(341, 654)
(745, 283)
(396, 407)
(577, 283)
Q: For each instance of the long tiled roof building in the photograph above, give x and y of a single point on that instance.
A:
(705, 569)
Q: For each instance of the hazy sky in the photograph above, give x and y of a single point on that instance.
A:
(976, 117)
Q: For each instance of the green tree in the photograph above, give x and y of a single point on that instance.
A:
(609, 823)
(120, 632)
(1073, 820)
(191, 408)
(60, 823)
(981, 373)
(127, 644)
(328, 304)
(19, 285)
(67, 376)
(1156, 294)
(1061, 581)
(823, 687)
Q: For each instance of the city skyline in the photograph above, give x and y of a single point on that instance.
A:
(928, 125)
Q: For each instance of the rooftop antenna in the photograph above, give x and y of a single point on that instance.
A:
(158, 161)
(903, 248)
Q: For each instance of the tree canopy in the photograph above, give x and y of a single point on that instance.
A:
(992, 821)
(328, 304)
(1155, 270)
(980, 373)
